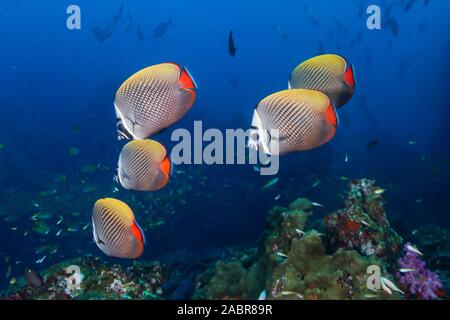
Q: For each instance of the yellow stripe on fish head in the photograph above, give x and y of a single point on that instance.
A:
(315, 99)
(151, 147)
(117, 207)
(169, 72)
(336, 64)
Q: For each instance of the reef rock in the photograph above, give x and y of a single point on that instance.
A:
(291, 263)
(362, 225)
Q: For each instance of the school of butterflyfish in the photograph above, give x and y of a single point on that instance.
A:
(301, 118)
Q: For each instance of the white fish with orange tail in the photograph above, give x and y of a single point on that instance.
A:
(292, 120)
(143, 166)
(153, 99)
(328, 73)
(115, 229)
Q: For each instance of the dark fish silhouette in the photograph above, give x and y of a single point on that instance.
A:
(140, 35)
(129, 24)
(161, 29)
(33, 278)
(372, 145)
(102, 33)
(234, 83)
(409, 5)
(393, 25)
(231, 46)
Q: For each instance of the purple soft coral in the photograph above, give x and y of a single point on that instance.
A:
(421, 282)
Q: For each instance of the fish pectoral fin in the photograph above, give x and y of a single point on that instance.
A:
(122, 132)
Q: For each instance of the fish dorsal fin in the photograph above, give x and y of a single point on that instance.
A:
(336, 64)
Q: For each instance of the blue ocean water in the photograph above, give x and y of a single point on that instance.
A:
(58, 85)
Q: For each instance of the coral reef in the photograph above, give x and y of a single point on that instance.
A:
(362, 224)
(420, 282)
(98, 281)
(292, 263)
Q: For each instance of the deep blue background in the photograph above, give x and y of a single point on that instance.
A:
(52, 79)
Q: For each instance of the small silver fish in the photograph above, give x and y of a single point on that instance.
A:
(41, 259)
(289, 293)
(385, 287)
(8, 272)
(406, 270)
(281, 254)
(316, 204)
(270, 183)
(414, 249)
(390, 285)
(366, 223)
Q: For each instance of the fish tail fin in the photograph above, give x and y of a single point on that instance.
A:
(166, 166)
(349, 76)
(331, 116)
(186, 80)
